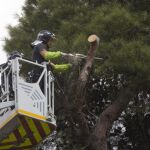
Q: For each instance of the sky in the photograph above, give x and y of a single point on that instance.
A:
(9, 9)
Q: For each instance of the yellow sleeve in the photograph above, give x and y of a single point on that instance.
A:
(61, 67)
(52, 55)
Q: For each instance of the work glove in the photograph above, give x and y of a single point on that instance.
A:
(66, 54)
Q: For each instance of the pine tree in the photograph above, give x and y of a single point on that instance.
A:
(123, 28)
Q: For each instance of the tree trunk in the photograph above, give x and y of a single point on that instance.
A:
(98, 139)
(78, 115)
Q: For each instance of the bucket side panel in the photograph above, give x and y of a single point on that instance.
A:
(27, 135)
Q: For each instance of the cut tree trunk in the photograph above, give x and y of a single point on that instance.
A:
(78, 115)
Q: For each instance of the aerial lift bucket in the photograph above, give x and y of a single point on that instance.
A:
(26, 104)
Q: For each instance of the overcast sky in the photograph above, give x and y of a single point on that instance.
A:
(8, 11)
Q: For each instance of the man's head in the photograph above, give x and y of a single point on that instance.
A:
(46, 37)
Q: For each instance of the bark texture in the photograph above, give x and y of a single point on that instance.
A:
(78, 115)
(98, 139)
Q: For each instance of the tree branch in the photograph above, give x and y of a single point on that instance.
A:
(98, 139)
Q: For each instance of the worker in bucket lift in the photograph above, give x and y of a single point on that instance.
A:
(41, 52)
